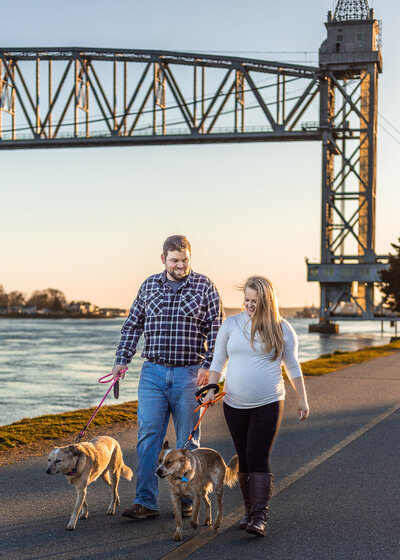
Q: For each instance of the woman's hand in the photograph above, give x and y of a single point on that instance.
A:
(303, 410)
(210, 396)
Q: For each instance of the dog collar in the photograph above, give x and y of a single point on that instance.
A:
(183, 478)
(71, 473)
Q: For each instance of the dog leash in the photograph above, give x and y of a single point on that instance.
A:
(199, 394)
(115, 385)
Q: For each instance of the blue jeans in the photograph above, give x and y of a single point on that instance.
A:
(162, 391)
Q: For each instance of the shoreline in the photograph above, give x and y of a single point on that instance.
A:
(33, 436)
(60, 316)
(228, 311)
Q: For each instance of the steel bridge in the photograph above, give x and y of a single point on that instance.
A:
(125, 97)
(77, 97)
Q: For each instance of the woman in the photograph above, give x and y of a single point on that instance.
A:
(256, 342)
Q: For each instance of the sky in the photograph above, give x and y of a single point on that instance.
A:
(91, 221)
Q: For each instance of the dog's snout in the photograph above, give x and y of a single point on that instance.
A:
(48, 471)
(159, 472)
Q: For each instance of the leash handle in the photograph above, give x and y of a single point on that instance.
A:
(115, 385)
(201, 392)
(107, 380)
(209, 403)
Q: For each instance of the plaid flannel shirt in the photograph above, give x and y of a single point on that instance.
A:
(179, 328)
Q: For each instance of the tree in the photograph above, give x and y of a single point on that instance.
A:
(3, 297)
(56, 299)
(390, 280)
(38, 298)
(16, 298)
(51, 299)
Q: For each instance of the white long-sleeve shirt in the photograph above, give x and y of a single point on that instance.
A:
(253, 377)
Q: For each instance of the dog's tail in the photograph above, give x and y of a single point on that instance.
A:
(126, 472)
(231, 472)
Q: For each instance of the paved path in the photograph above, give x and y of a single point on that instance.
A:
(336, 494)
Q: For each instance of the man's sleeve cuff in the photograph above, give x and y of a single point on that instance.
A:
(120, 362)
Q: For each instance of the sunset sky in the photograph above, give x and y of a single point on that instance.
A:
(91, 222)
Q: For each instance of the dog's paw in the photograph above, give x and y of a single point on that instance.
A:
(111, 511)
(178, 534)
(208, 521)
(216, 526)
(70, 527)
(84, 515)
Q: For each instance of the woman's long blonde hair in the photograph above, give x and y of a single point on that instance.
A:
(266, 319)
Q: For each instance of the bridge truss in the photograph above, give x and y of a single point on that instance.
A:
(81, 97)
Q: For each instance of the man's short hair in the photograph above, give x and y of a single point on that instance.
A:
(176, 243)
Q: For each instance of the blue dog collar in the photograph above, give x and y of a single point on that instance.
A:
(183, 478)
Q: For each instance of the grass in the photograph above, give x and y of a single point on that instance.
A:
(339, 359)
(53, 426)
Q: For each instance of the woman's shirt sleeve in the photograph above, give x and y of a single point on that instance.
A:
(289, 355)
(220, 356)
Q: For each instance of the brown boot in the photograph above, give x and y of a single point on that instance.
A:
(260, 486)
(244, 487)
(138, 511)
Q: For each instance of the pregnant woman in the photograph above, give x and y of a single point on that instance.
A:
(255, 343)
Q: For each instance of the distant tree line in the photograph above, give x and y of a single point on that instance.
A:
(50, 299)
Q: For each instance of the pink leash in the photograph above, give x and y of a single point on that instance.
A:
(103, 399)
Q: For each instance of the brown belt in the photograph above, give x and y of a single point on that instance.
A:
(168, 365)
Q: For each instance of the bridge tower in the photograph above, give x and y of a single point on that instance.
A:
(350, 61)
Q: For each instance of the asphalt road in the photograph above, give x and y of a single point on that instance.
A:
(337, 488)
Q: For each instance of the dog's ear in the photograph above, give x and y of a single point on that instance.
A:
(73, 450)
(183, 455)
(166, 444)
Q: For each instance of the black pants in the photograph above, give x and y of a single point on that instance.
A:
(253, 431)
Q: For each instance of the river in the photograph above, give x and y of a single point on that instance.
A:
(52, 365)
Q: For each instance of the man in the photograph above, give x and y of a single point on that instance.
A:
(179, 312)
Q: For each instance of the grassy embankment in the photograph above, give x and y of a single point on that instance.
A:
(53, 426)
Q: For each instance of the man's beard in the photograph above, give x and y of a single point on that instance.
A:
(179, 277)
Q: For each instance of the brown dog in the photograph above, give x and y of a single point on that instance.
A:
(193, 474)
(83, 463)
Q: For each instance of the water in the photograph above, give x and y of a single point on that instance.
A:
(52, 365)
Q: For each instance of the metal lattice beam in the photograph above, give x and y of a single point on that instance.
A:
(119, 97)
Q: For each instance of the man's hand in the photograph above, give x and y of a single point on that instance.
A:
(202, 377)
(117, 369)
